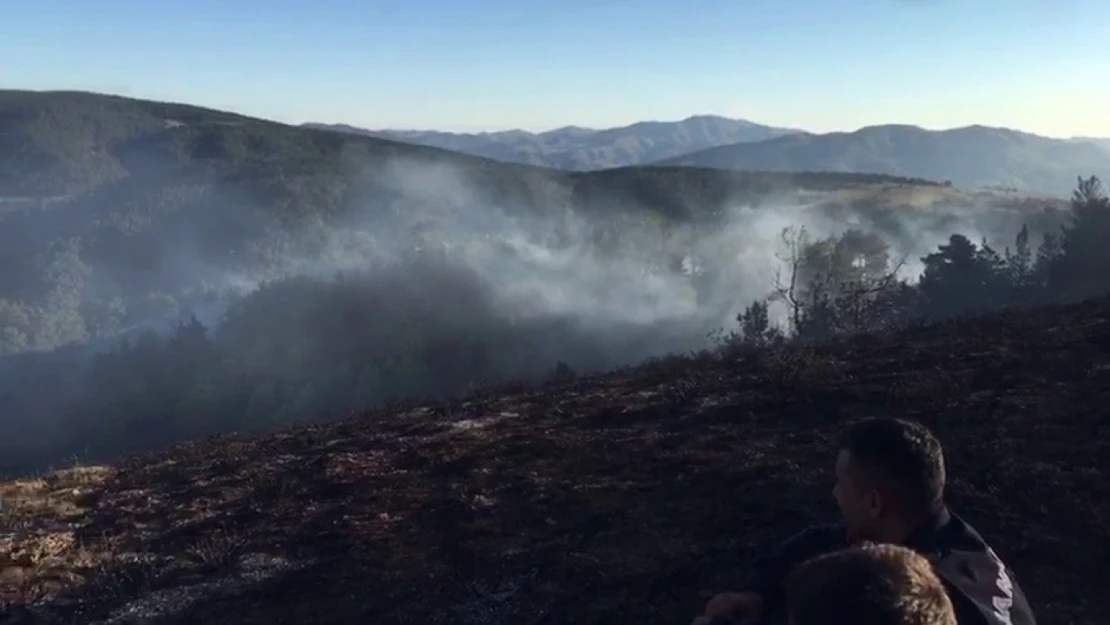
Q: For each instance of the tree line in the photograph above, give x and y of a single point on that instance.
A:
(851, 283)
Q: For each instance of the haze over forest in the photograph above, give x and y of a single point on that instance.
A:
(174, 271)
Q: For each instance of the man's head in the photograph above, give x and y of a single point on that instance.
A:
(873, 584)
(889, 477)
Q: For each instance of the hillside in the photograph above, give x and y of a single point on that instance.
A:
(1099, 141)
(176, 256)
(115, 211)
(62, 143)
(582, 149)
(628, 497)
(975, 156)
(61, 147)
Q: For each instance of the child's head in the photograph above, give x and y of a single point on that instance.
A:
(872, 584)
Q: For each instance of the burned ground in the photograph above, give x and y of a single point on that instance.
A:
(626, 498)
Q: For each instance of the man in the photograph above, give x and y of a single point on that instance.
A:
(870, 584)
(890, 482)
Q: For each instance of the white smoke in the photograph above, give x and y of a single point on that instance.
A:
(545, 260)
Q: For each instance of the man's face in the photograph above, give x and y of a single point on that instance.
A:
(859, 504)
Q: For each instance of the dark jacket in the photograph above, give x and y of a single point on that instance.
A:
(983, 590)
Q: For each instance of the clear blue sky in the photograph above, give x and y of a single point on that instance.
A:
(1039, 65)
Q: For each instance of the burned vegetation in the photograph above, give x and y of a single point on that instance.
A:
(628, 496)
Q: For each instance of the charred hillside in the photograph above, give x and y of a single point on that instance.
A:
(627, 497)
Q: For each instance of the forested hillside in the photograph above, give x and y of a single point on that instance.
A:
(115, 212)
(171, 272)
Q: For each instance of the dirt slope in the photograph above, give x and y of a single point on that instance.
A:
(627, 498)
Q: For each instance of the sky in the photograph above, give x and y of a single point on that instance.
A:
(465, 65)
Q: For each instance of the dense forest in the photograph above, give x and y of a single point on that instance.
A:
(427, 326)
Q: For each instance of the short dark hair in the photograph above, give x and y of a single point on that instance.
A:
(905, 452)
(873, 584)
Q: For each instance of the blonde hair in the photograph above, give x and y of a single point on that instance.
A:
(868, 584)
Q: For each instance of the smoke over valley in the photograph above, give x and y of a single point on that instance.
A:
(239, 275)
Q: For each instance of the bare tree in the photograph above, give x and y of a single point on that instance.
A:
(839, 284)
(787, 288)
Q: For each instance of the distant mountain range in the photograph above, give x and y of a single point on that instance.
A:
(973, 156)
(583, 149)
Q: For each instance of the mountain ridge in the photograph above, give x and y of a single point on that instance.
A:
(975, 155)
(576, 148)
(969, 156)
